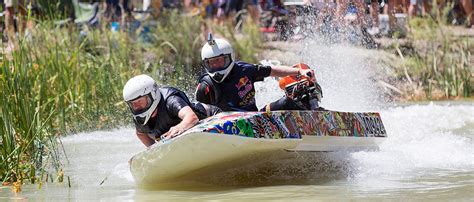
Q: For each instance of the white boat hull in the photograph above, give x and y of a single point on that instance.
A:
(204, 150)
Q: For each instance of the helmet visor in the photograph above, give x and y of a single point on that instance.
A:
(141, 104)
(217, 63)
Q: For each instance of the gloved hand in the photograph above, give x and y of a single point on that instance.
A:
(307, 72)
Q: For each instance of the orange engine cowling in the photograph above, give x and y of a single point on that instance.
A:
(294, 79)
(303, 89)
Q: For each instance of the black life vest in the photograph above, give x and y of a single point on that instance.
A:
(164, 120)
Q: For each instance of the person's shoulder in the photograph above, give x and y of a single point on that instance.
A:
(205, 78)
(175, 99)
(244, 64)
(169, 88)
(169, 91)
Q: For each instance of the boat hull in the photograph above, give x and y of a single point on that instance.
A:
(230, 140)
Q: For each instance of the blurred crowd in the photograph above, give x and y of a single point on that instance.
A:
(270, 15)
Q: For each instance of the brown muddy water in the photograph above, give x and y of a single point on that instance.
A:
(429, 154)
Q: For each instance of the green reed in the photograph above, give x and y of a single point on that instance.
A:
(25, 113)
(245, 44)
(441, 62)
(59, 81)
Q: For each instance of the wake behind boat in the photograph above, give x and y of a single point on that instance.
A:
(227, 140)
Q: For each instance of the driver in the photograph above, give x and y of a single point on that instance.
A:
(229, 84)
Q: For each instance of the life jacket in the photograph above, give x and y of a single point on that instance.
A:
(237, 91)
(161, 123)
(216, 93)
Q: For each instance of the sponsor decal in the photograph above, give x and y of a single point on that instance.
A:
(292, 124)
(242, 82)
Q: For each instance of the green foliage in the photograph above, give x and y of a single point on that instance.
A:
(25, 113)
(245, 44)
(54, 9)
(60, 81)
(178, 42)
(441, 60)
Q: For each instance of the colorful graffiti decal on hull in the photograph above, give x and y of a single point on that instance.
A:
(294, 124)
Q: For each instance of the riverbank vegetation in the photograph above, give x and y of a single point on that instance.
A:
(435, 61)
(65, 79)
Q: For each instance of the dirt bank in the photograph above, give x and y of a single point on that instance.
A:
(345, 59)
(381, 66)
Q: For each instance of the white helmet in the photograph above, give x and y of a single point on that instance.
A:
(137, 87)
(215, 48)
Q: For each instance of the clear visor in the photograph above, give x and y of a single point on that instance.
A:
(217, 63)
(140, 104)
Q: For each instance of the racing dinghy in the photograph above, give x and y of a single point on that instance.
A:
(227, 140)
(233, 140)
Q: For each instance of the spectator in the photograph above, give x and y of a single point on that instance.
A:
(233, 6)
(390, 10)
(374, 13)
(325, 8)
(12, 8)
(467, 7)
(252, 7)
(342, 8)
(114, 9)
(414, 5)
(220, 14)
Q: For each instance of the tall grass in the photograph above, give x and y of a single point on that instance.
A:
(441, 63)
(63, 80)
(246, 43)
(25, 132)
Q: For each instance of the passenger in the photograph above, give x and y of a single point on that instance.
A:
(163, 112)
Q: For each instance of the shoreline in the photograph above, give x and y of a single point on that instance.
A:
(387, 61)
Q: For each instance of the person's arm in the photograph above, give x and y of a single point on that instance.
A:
(145, 139)
(205, 94)
(282, 71)
(188, 120)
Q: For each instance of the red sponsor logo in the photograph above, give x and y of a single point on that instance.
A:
(242, 82)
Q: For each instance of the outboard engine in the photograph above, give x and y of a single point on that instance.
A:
(303, 89)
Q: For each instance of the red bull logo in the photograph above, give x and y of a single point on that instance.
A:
(242, 82)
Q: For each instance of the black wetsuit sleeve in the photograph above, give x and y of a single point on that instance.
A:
(262, 71)
(174, 104)
(205, 94)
